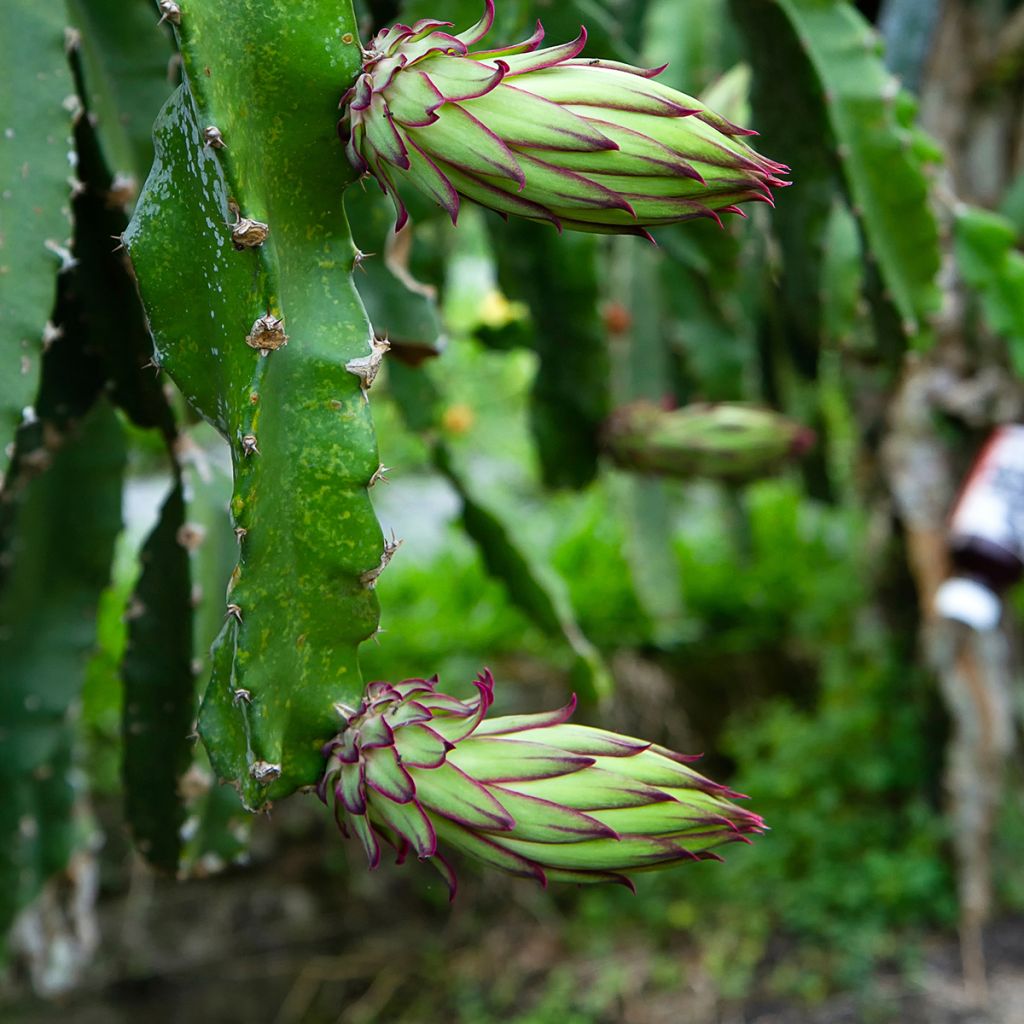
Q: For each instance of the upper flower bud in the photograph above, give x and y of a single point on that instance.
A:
(530, 794)
(593, 145)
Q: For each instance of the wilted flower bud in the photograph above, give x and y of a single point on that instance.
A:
(593, 145)
(530, 794)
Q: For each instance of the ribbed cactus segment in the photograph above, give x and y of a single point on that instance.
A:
(243, 258)
(34, 221)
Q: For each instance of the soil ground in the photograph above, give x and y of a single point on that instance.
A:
(288, 941)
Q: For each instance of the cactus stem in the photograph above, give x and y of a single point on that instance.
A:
(249, 446)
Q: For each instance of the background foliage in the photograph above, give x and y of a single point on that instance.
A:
(772, 623)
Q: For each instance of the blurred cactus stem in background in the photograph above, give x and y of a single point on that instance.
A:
(532, 795)
(728, 442)
(592, 145)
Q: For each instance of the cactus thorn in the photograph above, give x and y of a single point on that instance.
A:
(247, 233)
(213, 138)
(240, 532)
(234, 611)
(67, 261)
(367, 367)
(360, 256)
(241, 696)
(375, 636)
(370, 577)
(120, 242)
(72, 39)
(264, 772)
(380, 476)
(249, 446)
(169, 11)
(152, 365)
(267, 334)
(51, 333)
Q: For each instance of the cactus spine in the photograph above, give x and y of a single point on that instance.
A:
(244, 260)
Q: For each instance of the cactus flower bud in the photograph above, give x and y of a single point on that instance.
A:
(592, 145)
(724, 441)
(532, 795)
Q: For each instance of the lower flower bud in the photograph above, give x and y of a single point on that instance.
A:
(532, 795)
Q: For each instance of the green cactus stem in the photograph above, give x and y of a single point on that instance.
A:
(244, 260)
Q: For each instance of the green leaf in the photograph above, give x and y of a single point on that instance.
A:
(35, 82)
